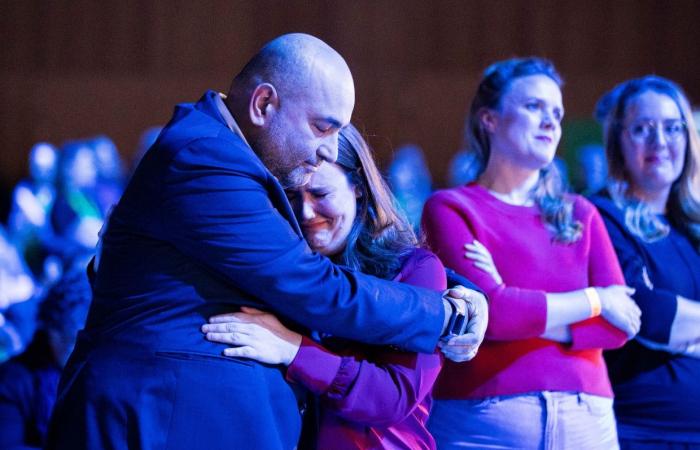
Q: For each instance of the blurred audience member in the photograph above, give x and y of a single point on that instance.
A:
(17, 288)
(410, 181)
(29, 224)
(464, 168)
(110, 172)
(556, 291)
(28, 382)
(652, 212)
(590, 174)
(77, 215)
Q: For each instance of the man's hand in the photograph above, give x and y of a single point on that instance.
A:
(464, 347)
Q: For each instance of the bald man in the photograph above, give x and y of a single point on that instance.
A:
(203, 227)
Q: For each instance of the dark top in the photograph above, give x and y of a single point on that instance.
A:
(657, 393)
(27, 394)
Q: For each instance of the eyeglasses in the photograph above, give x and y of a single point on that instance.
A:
(642, 131)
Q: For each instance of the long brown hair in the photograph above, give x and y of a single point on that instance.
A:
(381, 235)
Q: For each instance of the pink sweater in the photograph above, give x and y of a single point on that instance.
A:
(513, 358)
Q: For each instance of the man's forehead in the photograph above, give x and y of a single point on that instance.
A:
(336, 114)
(324, 84)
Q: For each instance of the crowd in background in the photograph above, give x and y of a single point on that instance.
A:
(58, 210)
(45, 245)
(56, 214)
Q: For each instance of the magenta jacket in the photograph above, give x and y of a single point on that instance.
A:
(374, 396)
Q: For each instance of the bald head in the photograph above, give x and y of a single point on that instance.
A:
(290, 101)
(289, 62)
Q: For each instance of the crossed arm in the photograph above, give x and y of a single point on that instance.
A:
(517, 313)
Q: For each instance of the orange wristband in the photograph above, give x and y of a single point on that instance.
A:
(593, 300)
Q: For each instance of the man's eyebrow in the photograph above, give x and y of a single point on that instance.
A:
(335, 123)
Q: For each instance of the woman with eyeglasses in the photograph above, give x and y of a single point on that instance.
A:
(556, 291)
(652, 212)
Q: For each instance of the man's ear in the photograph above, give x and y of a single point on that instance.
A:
(263, 103)
(488, 119)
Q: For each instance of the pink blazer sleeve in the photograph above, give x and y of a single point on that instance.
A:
(374, 386)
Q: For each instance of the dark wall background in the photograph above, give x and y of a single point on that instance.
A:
(77, 68)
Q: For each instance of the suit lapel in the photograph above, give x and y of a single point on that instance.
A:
(208, 105)
(281, 203)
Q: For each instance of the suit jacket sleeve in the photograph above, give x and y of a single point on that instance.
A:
(227, 222)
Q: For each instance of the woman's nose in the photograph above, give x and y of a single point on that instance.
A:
(547, 121)
(307, 210)
(658, 136)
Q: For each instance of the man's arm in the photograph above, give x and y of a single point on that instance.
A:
(224, 219)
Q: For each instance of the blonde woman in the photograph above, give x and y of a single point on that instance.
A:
(652, 212)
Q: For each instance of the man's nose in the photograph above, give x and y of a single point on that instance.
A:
(328, 151)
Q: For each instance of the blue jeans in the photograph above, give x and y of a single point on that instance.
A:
(629, 444)
(537, 421)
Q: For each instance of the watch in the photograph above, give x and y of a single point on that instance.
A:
(457, 324)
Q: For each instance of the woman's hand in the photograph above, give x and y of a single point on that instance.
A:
(255, 335)
(482, 259)
(618, 308)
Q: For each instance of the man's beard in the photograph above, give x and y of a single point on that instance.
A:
(295, 178)
(270, 151)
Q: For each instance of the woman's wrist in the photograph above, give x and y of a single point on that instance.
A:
(292, 348)
(594, 301)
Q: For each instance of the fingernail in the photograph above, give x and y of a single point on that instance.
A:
(205, 328)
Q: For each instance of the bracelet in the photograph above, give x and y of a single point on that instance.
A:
(593, 300)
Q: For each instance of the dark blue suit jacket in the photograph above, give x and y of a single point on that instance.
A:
(202, 228)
